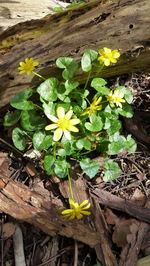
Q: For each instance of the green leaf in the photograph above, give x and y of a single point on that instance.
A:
(99, 85)
(61, 167)
(88, 57)
(19, 138)
(64, 62)
(49, 162)
(95, 124)
(19, 101)
(126, 110)
(70, 66)
(112, 170)
(114, 127)
(131, 144)
(116, 147)
(62, 152)
(127, 93)
(48, 89)
(49, 108)
(42, 141)
(12, 118)
(31, 120)
(89, 167)
(107, 123)
(70, 85)
(83, 144)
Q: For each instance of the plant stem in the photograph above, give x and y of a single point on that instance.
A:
(39, 107)
(38, 75)
(70, 185)
(86, 83)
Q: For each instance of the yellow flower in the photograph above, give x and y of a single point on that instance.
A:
(116, 97)
(63, 124)
(108, 56)
(93, 107)
(76, 210)
(27, 66)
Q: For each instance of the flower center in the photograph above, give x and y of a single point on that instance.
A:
(28, 67)
(63, 123)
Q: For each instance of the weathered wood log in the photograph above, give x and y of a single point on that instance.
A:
(42, 211)
(127, 206)
(117, 24)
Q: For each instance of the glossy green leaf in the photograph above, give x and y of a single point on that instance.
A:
(89, 167)
(49, 162)
(83, 143)
(19, 138)
(41, 140)
(48, 89)
(126, 110)
(112, 170)
(70, 85)
(88, 57)
(70, 66)
(127, 93)
(19, 101)
(12, 118)
(49, 108)
(61, 166)
(116, 147)
(131, 144)
(32, 120)
(95, 123)
(99, 85)
(114, 127)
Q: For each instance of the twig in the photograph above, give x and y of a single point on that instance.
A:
(18, 247)
(75, 253)
(11, 146)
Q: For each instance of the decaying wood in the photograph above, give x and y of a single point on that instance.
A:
(103, 250)
(127, 206)
(42, 211)
(117, 24)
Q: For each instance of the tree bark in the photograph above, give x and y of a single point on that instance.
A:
(118, 24)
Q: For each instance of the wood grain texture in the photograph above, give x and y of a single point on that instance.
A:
(117, 24)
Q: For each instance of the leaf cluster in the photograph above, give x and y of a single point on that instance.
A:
(99, 129)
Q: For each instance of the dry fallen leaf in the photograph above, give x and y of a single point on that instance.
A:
(123, 231)
(110, 217)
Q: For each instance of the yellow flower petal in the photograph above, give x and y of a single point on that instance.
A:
(68, 211)
(73, 128)
(71, 203)
(57, 134)
(52, 118)
(52, 126)
(69, 114)
(75, 121)
(85, 212)
(67, 134)
(60, 112)
(85, 202)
